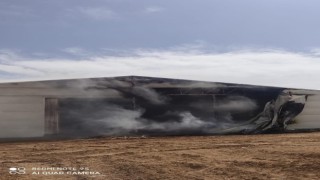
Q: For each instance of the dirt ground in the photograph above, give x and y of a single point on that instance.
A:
(277, 156)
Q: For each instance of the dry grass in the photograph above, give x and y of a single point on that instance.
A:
(277, 156)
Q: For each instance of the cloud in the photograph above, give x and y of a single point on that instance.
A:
(315, 51)
(153, 9)
(96, 13)
(260, 67)
(75, 51)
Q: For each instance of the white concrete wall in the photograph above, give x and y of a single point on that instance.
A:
(21, 116)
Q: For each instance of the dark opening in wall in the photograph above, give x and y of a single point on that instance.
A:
(170, 112)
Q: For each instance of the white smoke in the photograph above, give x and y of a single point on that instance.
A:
(236, 103)
(149, 95)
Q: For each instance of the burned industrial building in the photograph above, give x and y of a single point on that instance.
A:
(134, 105)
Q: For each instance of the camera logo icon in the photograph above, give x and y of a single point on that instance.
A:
(17, 170)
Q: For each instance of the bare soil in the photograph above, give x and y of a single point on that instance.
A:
(272, 156)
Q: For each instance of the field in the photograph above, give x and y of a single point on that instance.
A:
(272, 156)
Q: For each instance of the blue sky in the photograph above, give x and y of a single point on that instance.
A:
(35, 34)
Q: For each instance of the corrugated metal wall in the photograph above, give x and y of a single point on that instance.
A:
(309, 118)
(21, 116)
